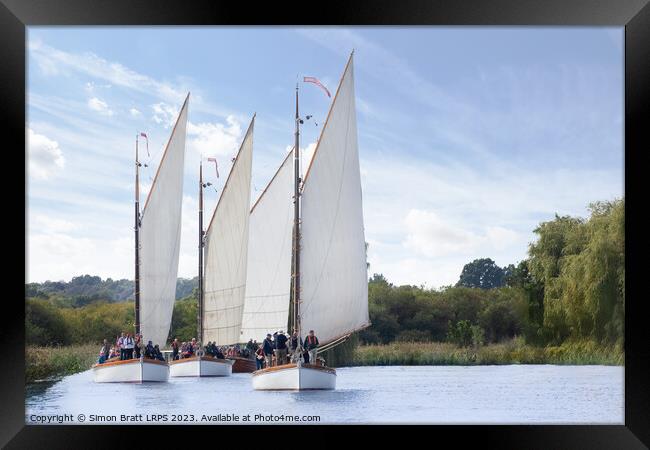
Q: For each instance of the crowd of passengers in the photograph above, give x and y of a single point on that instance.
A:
(276, 349)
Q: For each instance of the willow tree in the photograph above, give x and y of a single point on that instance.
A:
(582, 266)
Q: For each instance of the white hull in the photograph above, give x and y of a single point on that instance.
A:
(131, 371)
(293, 377)
(200, 367)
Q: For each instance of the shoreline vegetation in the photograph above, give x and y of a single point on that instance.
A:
(563, 304)
(505, 353)
(52, 363)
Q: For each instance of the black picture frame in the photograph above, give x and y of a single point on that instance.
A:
(634, 15)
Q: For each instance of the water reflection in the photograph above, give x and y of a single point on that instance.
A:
(424, 394)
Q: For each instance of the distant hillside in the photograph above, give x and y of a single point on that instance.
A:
(87, 288)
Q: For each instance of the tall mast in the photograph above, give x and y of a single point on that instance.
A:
(200, 315)
(137, 239)
(296, 224)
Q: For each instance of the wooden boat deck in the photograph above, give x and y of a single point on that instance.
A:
(197, 358)
(294, 365)
(242, 365)
(128, 361)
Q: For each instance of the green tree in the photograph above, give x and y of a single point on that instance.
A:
(482, 273)
(522, 280)
(504, 315)
(184, 318)
(44, 324)
(581, 264)
(461, 333)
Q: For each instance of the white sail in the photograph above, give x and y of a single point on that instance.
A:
(268, 282)
(160, 236)
(226, 250)
(333, 278)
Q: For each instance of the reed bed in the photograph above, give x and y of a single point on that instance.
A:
(47, 363)
(511, 352)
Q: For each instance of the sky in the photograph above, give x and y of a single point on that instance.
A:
(469, 137)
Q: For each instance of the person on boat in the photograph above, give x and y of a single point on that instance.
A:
(120, 345)
(311, 343)
(137, 347)
(129, 344)
(267, 348)
(113, 353)
(103, 352)
(281, 348)
(250, 346)
(192, 348)
(295, 343)
(149, 350)
(218, 353)
(157, 354)
(175, 349)
(259, 358)
(116, 345)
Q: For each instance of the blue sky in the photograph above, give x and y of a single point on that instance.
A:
(468, 137)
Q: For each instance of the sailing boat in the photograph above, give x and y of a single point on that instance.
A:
(329, 285)
(157, 244)
(222, 287)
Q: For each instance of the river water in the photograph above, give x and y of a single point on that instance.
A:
(515, 394)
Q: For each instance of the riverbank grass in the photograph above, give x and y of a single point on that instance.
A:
(47, 363)
(514, 351)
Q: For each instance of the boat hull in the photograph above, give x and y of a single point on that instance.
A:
(243, 365)
(131, 371)
(200, 367)
(295, 378)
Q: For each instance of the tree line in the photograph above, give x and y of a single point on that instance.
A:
(571, 286)
(86, 289)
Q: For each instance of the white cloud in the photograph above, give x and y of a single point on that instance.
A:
(215, 138)
(164, 113)
(47, 224)
(306, 154)
(60, 256)
(45, 156)
(500, 238)
(429, 235)
(52, 61)
(100, 106)
(134, 112)
(59, 249)
(424, 221)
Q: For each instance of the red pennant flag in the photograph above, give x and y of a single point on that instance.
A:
(216, 167)
(317, 83)
(144, 135)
